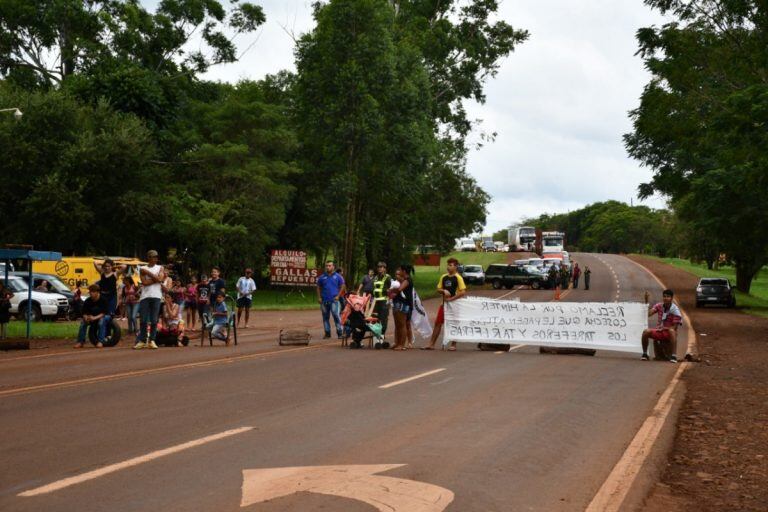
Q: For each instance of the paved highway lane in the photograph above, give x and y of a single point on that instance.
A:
(511, 431)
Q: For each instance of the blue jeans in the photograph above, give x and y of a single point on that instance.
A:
(100, 324)
(132, 311)
(149, 311)
(328, 308)
(111, 304)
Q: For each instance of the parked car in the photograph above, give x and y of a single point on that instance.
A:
(536, 262)
(489, 246)
(473, 274)
(44, 305)
(711, 290)
(508, 276)
(55, 285)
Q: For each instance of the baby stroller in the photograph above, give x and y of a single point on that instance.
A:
(358, 326)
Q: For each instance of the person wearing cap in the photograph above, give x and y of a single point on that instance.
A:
(245, 288)
(152, 276)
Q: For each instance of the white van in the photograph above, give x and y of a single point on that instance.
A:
(467, 245)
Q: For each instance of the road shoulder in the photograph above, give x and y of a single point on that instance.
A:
(719, 459)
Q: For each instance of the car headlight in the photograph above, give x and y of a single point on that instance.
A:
(698, 289)
(51, 302)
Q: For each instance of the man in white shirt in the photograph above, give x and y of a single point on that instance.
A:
(245, 288)
(152, 277)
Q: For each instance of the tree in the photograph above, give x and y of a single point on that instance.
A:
(613, 226)
(360, 100)
(461, 48)
(379, 111)
(44, 42)
(701, 123)
(231, 192)
(74, 169)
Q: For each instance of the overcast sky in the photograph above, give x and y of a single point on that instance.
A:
(558, 105)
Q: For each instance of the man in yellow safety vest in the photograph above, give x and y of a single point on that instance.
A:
(381, 284)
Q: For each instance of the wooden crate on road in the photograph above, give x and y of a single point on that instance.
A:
(294, 337)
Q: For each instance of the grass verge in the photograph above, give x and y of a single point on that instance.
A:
(57, 330)
(425, 279)
(755, 302)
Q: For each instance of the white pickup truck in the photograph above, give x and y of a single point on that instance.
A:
(44, 304)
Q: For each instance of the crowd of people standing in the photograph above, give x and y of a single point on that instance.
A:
(386, 293)
(157, 304)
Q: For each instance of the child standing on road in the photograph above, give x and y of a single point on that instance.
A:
(203, 299)
(190, 302)
(130, 299)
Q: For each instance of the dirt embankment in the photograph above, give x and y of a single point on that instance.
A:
(720, 457)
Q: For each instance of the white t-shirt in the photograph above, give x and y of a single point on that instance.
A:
(153, 291)
(245, 287)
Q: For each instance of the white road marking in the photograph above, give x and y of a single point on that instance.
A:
(611, 495)
(509, 293)
(614, 490)
(96, 473)
(515, 347)
(441, 382)
(357, 482)
(409, 379)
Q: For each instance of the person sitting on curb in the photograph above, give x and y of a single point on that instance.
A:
(171, 330)
(220, 318)
(669, 319)
(95, 316)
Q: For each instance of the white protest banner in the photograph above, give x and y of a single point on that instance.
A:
(592, 325)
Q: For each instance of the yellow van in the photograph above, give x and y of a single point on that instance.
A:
(72, 269)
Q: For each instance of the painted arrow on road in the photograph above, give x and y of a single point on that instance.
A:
(357, 482)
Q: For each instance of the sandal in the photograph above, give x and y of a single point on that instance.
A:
(452, 349)
(427, 348)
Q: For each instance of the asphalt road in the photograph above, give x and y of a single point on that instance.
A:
(501, 431)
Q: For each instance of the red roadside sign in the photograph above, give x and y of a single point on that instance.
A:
(289, 268)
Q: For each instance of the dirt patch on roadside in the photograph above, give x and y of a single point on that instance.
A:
(720, 457)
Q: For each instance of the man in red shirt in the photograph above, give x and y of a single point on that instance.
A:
(669, 319)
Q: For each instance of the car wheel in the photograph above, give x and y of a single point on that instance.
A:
(496, 283)
(535, 285)
(508, 286)
(37, 315)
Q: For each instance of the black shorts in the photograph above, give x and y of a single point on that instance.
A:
(244, 302)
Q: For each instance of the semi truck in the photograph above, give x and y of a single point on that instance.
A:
(548, 242)
(522, 238)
